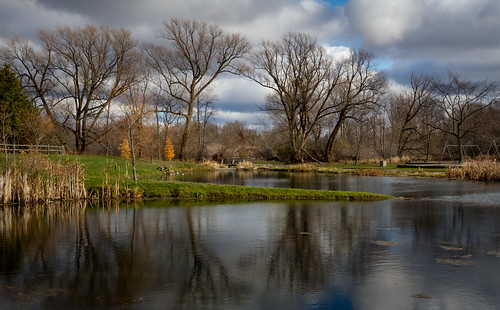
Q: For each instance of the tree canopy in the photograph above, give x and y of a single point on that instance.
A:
(14, 106)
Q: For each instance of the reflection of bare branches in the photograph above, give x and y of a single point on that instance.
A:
(298, 260)
(104, 257)
(209, 279)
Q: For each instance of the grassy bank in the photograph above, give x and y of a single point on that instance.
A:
(105, 169)
(362, 169)
(110, 178)
(155, 189)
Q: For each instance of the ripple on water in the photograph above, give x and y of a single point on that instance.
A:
(476, 200)
(455, 262)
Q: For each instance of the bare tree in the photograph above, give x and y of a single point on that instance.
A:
(204, 111)
(360, 88)
(76, 73)
(405, 110)
(461, 101)
(196, 55)
(137, 107)
(38, 128)
(302, 77)
(235, 140)
(34, 68)
(162, 107)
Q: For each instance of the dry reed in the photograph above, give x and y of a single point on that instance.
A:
(211, 163)
(110, 186)
(485, 170)
(306, 167)
(33, 178)
(246, 165)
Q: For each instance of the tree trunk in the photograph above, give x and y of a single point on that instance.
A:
(134, 172)
(427, 147)
(460, 151)
(185, 135)
(78, 143)
(331, 138)
(459, 143)
(158, 138)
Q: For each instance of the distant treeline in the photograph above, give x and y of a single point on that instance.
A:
(95, 88)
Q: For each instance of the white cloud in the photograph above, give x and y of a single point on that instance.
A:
(250, 119)
(315, 17)
(338, 52)
(384, 22)
(428, 36)
(239, 91)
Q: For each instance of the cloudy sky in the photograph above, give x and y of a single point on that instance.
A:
(428, 36)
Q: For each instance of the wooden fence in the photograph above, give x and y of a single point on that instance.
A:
(44, 149)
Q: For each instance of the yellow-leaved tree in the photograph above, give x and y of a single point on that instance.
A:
(168, 149)
(125, 150)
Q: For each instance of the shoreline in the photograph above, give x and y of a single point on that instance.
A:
(149, 189)
(109, 178)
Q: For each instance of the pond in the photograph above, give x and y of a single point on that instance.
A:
(437, 248)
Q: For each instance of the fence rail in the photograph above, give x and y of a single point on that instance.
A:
(45, 149)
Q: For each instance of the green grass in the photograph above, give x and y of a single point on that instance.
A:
(112, 177)
(149, 185)
(98, 167)
(190, 190)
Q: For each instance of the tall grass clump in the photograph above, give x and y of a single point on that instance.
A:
(33, 178)
(305, 167)
(110, 186)
(246, 165)
(211, 163)
(484, 170)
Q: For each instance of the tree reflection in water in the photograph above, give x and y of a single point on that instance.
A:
(262, 255)
(117, 256)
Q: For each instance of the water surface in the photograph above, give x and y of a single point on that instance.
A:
(437, 249)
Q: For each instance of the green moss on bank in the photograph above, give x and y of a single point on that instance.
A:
(190, 190)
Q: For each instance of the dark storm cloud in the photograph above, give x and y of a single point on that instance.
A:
(433, 36)
(125, 12)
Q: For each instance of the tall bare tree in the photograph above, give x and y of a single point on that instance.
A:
(136, 106)
(196, 54)
(360, 88)
(405, 110)
(302, 77)
(76, 73)
(162, 107)
(461, 101)
(204, 111)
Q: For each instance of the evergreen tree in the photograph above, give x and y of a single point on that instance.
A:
(15, 107)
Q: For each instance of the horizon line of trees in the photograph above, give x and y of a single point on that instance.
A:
(91, 87)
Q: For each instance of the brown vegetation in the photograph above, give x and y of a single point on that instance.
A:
(33, 178)
(483, 170)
